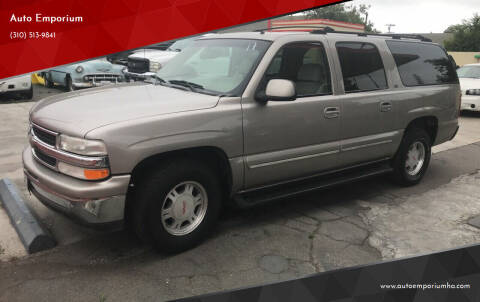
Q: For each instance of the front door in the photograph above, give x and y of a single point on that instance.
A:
(292, 139)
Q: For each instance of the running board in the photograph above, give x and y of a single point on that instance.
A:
(255, 197)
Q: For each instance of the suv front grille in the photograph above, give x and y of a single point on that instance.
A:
(44, 136)
(51, 161)
(138, 65)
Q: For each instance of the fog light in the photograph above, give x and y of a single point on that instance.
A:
(93, 206)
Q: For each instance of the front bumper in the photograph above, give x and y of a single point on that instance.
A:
(83, 85)
(470, 102)
(90, 203)
(92, 84)
(138, 76)
(14, 87)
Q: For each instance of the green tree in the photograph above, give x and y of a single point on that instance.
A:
(466, 36)
(342, 12)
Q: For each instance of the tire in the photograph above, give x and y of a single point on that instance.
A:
(405, 172)
(151, 203)
(28, 95)
(68, 84)
(48, 83)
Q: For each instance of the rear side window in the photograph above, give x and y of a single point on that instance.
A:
(362, 67)
(422, 64)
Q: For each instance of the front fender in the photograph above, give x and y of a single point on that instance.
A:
(130, 142)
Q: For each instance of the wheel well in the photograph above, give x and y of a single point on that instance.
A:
(213, 156)
(429, 123)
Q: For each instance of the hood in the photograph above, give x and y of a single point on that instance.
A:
(468, 83)
(79, 112)
(94, 64)
(155, 55)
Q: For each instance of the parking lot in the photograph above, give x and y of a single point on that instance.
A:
(354, 224)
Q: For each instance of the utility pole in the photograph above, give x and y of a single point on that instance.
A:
(389, 27)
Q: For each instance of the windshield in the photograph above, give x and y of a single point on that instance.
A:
(469, 72)
(216, 66)
(180, 44)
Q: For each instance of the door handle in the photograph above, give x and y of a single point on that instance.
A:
(385, 106)
(331, 112)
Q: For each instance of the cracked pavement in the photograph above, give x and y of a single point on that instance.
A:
(354, 224)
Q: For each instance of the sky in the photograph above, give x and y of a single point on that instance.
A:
(419, 16)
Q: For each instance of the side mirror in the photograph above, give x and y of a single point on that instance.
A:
(280, 90)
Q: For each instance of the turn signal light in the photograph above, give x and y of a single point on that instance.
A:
(96, 174)
(83, 173)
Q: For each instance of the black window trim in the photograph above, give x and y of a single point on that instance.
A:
(419, 42)
(341, 71)
(328, 65)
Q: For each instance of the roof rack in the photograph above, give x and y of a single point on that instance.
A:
(326, 29)
(286, 27)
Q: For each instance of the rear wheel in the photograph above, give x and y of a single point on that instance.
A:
(413, 157)
(177, 205)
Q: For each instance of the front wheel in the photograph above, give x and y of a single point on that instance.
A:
(48, 82)
(69, 84)
(177, 205)
(413, 157)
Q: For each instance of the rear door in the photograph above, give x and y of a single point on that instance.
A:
(367, 130)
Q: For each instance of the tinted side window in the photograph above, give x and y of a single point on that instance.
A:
(362, 67)
(303, 63)
(422, 64)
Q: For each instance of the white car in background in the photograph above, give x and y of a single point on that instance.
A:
(21, 86)
(469, 76)
(144, 63)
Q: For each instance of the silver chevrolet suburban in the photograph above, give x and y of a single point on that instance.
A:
(242, 118)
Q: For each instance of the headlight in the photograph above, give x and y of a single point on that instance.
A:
(155, 66)
(79, 69)
(83, 173)
(82, 146)
(473, 92)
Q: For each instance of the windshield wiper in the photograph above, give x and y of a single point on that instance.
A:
(191, 85)
(158, 79)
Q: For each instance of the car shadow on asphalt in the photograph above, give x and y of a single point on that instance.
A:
(113, 247)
